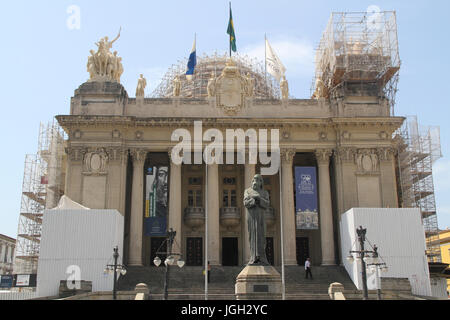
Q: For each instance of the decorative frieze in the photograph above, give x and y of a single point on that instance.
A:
(139, 135)
(77, 134)
(116, 134)
(323, 136)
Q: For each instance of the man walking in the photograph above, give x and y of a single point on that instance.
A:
(308, 268)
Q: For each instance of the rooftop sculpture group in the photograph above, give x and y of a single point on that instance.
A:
(104, 65)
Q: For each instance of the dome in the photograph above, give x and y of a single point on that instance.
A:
(266, 87)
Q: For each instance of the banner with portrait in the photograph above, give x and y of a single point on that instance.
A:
(156, 201)
(306, 210)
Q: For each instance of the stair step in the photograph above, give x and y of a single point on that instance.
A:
(188, 282)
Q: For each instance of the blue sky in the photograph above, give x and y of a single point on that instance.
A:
(43, 61)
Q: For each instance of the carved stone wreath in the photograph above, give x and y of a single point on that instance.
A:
(95, 162)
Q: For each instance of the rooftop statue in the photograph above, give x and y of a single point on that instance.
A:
(249, 85)
(142, 83)
(284, 86)
(176, 86)
(104, 65)
(256, 201)
(212, 85)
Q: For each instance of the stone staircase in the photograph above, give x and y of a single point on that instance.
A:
(188, 283)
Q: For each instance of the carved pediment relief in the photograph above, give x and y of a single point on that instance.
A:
(231, 88)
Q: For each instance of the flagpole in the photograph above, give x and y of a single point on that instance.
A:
(206, 232)
(265, 61)
(230, 34)
(283, 284)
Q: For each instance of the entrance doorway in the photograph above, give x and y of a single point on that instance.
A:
(269, 251)
(155, 245)
(194, 251)
(302, 250)
(230, 254)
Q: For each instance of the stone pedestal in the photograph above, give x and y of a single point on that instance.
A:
(258, 283)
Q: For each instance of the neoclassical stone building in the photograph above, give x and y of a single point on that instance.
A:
(120, 148)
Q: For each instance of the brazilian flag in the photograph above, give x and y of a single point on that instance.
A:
(230, 31)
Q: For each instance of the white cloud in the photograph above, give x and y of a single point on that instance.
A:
(296, 54)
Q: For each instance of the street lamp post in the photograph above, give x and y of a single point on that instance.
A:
(371, 261)
(114, 268)
(377, 265)
(169, 260)
(361, 238)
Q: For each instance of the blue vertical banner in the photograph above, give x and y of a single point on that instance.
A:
(306, 211)
(156, 201)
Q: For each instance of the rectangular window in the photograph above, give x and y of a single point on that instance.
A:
(225, 198)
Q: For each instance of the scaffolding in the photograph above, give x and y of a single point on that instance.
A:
(266, 87)
(42, 187)
(418, 149)
(358, 55)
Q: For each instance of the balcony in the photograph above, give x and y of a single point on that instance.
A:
(194, 217)
(269, 216)
(230, 216)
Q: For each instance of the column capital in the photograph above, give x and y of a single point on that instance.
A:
(287, 154)
(138, 155)
(117, 153)
(386, 153)
(323, 155)
(346, 154)
(76, 153)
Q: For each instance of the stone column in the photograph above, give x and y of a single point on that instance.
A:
(250, 170)
(2, 252)
(287, 193)
(213, 215)
(347, 191)
(326, 210)
(175, 216)
(137, 208)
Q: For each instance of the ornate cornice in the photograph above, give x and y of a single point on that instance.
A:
(387, 123)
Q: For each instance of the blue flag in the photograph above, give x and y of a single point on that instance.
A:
(192, 62)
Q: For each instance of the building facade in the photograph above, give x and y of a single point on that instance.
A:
(444, 239)
(121, 154)
(7, 247)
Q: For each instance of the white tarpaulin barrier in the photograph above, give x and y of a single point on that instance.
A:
(78, 242)
(400, 238)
